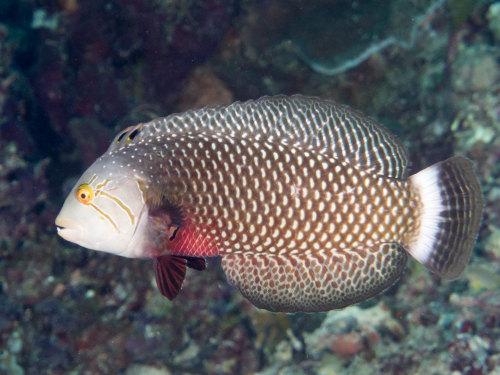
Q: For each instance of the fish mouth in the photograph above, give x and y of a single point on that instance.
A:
(68, 234)
(68, 229)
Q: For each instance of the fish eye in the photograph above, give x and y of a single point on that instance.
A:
(85, 193)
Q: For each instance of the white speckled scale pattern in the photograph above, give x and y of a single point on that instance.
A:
(306, 200)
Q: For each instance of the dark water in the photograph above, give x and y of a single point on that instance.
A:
(73, 73)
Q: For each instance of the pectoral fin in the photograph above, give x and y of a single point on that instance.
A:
(170, 271)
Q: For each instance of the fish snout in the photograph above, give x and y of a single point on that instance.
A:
(67, 228)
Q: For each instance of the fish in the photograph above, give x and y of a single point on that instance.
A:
(309, 203)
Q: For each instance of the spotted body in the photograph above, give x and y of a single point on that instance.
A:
(307, 201)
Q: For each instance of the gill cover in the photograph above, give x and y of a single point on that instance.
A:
(104, 211)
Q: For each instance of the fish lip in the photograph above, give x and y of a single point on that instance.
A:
(68, 229)
(67, 224)
(68, 233)
(61, 229)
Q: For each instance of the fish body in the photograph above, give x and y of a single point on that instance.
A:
(308, 202)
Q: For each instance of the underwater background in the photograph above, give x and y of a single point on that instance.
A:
(73, 73)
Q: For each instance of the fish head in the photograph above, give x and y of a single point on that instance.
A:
(105, 210)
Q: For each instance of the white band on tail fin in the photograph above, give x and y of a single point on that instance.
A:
(426, 182)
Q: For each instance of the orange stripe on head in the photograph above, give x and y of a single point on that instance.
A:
(92, 179)
(106, 216)
(100, 186)
(121, 204)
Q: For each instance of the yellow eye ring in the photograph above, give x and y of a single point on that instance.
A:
(84, 193)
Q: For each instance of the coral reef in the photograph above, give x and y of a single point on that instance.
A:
(74, 72)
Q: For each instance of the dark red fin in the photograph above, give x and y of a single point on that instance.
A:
(197, 264)
(169, 273)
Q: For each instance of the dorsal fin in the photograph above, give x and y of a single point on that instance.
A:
(321, 125)
(346, 134)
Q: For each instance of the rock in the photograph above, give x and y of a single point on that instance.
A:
(476, 68)
(146, 370)
(204, 88)
(493, 16)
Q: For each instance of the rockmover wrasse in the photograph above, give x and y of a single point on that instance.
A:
(308, 202)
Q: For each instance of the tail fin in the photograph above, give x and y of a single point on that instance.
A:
(451, 214)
